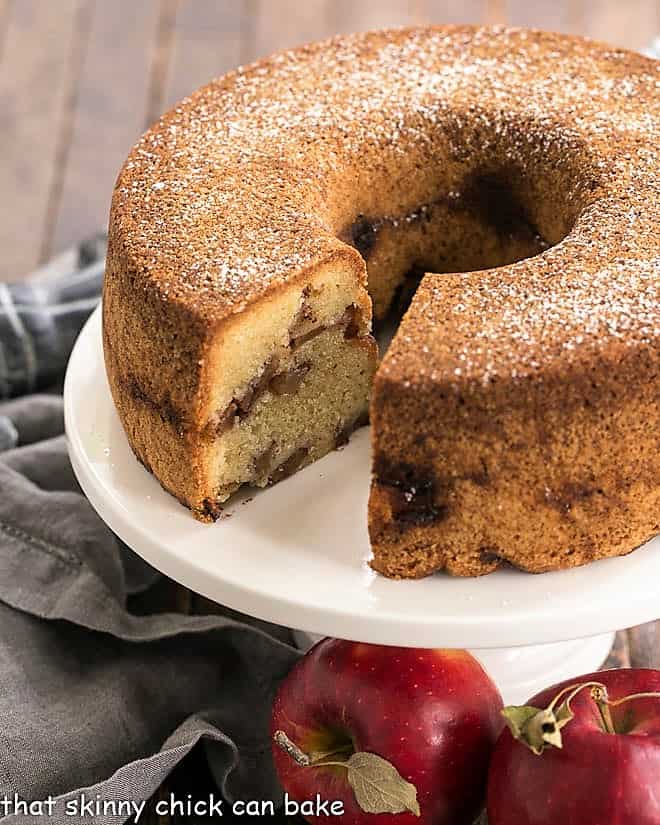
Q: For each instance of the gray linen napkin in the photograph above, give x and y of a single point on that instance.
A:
(93, 698)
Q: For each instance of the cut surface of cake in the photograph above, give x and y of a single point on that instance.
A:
(504, 183)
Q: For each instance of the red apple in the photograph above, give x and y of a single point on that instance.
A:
(597, 760)
(433, 715)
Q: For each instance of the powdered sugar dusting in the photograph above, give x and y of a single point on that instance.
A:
(517, 326)
(250, 180)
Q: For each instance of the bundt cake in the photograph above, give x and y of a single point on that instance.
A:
(516, 415)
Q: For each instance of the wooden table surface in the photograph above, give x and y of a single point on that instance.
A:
(81, 79)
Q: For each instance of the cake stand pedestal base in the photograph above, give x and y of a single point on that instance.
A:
(521, 672)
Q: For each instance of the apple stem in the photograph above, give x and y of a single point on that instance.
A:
(291, 749)
(316, 760)
(605, 705)
(330, 763)
(573, 690)
(599, 695)
(632, 696)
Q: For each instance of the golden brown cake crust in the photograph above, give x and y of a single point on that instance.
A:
(250, 184)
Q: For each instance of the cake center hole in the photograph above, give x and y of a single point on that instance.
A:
(491, 219)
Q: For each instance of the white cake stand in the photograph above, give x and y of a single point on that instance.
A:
(297, 554)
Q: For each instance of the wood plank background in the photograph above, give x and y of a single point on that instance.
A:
(81, 79)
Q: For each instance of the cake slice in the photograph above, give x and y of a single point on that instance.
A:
(280, 385)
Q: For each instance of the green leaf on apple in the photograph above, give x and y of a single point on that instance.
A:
(517, 717)
(537, 728)
(540, 728)
(379, 788)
